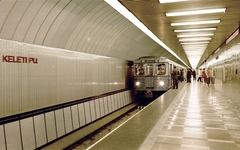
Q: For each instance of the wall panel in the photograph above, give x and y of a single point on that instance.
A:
(97, 108)
(40, 129)
(13, 135)
(75, 117)
(82, 116)
(60, 122)
(93, 110)
(102, 108)
(27, 131)
(68, 119)
(88, 116)
(105, 104)
(51, 126)
(2, 138)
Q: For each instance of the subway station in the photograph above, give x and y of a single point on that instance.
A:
(70, 67)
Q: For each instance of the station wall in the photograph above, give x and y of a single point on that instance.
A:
(225, 63)
(34, 77)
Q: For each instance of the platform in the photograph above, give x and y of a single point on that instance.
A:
(194, 117)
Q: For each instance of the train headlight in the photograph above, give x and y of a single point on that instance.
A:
(137, 83)
(161, 83)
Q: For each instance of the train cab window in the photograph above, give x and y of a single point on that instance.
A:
(149, 69)
(161, 69)
(139, 69)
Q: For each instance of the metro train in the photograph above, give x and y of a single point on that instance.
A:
(152, 75)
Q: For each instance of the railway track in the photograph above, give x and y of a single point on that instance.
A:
(89, 140)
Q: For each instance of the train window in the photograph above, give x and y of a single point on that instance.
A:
(139, 69)
(161, 69)
(149, 69)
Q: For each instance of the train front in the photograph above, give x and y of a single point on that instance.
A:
(151, 78)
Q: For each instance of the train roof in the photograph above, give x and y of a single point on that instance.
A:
(151, 59)
(155, 59)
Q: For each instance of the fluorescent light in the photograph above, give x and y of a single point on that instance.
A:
(195, 23)
(194, 43)
(194, 52)
(196, 12)
(193, 30)
(170, 1)
(194, 46)
(194, 39)
(127, 14)
(232, 36)
(195, 35)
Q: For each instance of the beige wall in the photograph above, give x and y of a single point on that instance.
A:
(53, 76)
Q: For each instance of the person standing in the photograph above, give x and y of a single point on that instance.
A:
(194, 74)
(204, 76)
(181, 75)
(200, 75)
(189, 74)
(175, 77)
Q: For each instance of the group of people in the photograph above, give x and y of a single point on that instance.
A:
(179, 76)
(202, 75)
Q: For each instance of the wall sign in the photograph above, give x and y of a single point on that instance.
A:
(19, 59)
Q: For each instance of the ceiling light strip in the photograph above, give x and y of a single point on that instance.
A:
(193, 30)
(194, 39)
(126, 13)
(195, 35)
(232, 36)
(195, 43)
(192, 46)
(195, 23)
(196, 12)
(171, 1)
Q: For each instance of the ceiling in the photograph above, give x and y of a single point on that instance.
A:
(152, 13)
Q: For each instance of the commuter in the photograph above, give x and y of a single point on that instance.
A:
(199, 75)
(141, 71)
(189, 74)
(194, 74)
(204, 76)
(181, 76)
(175, 78)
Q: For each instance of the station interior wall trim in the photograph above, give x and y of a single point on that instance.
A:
(35, 131)
(24, 115)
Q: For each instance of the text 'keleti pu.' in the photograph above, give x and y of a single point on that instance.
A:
(19, 59)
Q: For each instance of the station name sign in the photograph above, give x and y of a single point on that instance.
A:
(19, 59)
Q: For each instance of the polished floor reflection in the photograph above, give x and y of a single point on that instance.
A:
(205, 117)
(194, 117)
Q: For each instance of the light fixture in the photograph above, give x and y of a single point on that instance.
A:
(194, 35)
(195, 23)
(128, 15)
(194, 52)
(196, 12)
(195, 43)
(195, 39)
(171, 1)
(193, 46)
(193, 30)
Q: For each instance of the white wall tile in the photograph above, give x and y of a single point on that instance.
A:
(27, 132)
(13, 137)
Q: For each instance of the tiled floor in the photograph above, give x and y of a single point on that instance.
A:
(194, 117)
(205, 117)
